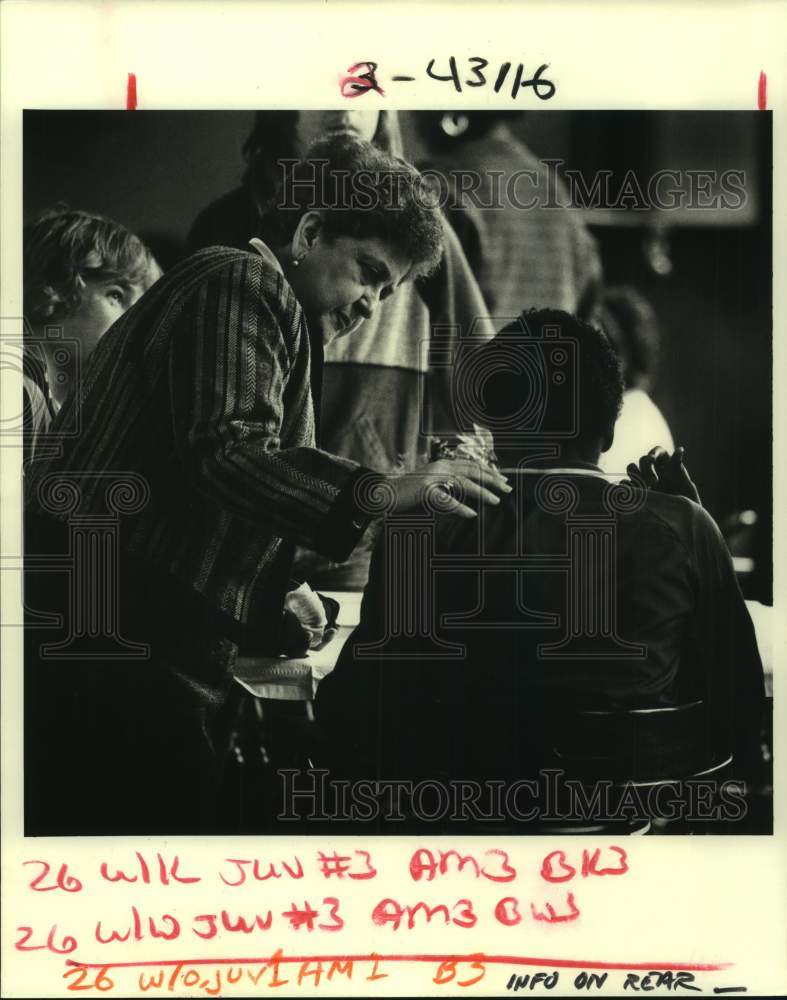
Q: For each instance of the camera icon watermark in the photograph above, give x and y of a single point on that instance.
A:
(542, 367)
(32, 369)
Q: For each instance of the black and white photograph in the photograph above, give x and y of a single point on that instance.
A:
(392, 493)
(397, 472)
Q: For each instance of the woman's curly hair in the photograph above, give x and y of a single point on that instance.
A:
(363, 192)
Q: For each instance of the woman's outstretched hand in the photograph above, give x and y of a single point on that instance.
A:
(658, 470)
(448, 484)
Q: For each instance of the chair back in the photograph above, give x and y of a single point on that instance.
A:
(639, 746)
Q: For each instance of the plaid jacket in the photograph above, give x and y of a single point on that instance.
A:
(203, 390)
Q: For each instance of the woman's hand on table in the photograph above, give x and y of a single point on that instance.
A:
(455, 482)
(309, 610)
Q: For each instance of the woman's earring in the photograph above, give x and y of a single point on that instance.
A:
(296, 261)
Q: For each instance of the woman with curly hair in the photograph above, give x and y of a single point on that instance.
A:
(385, 402)
(204, 399)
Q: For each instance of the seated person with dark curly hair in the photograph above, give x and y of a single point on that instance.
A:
(577, 593)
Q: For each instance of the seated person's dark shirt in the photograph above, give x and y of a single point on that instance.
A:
(485, 712)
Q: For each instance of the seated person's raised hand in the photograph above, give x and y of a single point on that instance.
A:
(658, 470)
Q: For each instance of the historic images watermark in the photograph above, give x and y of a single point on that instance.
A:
(548, 797)
(552, 186)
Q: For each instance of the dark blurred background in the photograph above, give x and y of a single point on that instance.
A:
(708, 274)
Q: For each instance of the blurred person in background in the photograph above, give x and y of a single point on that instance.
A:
(531, 250)
(630, 322)
(81, 272)
(383, 403)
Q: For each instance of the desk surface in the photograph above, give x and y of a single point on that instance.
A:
(765, 629)
(297, 679)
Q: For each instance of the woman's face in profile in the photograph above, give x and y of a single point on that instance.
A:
(341, 281)
(314, 125)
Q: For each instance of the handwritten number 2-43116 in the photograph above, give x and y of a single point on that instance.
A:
(477, 77)
(361, 77)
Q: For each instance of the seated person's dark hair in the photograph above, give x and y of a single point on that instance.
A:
(363, 192)
(597, 379)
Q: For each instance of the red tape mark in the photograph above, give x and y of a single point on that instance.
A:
(131, 92)
(762, 92)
